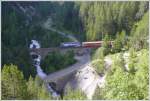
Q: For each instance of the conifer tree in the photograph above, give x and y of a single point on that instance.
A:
(13, 83)
(132, 60)
(119, 41)
(37, 89)
(98, 60)
(74, 94)
(32, 89)
(43, 94)
(106, 44)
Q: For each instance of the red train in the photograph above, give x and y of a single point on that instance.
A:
(93, 44)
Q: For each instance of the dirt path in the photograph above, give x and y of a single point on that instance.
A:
(82, 62)
(47, 25)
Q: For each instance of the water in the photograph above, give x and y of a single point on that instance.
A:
(35, 45)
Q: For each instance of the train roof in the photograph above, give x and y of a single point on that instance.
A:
(93, 42)
(96, 41)
(69, 42)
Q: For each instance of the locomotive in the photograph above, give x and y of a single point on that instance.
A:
(70, 44)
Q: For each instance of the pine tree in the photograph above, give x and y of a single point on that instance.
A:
(106, 44)
(139, 33)
(37, 89)
(32, 89)
(98, 60)
(13, 83)
(132, 60)
(74, 94)
(43, 94)
(119, 42)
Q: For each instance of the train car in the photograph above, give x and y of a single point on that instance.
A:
(92, 44)
(70, 44)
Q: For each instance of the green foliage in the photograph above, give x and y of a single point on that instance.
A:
(100, 18)
(142, 73)
(46, 38)
(98, 94)
(143, 7)
(62, 15)
(37, 90)
(32, 90)
(14, 86)
(44, 10)
(56, 61)
(106, 45)
(119, 42)
(99, 54)
(97, 20)
(122, 85)
(132, 60)
(15, 40)
(13, 83)
(43, 93)
(139, 33)
(98, 65)
(74, 95)
(98, 60)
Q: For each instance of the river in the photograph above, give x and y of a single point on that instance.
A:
(36, 62)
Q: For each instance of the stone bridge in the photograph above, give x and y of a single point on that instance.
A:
(43, 52)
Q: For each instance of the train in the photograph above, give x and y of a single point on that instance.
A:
(92, 44)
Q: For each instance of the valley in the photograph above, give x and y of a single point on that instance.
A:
(74, 50)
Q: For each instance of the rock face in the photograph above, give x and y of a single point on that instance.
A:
(87, 80)
(108, 63)
(126, 59)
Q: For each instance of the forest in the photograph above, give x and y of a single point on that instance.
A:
(125, 23)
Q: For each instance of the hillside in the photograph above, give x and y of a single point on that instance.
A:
(127, 78)
(108, 72)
